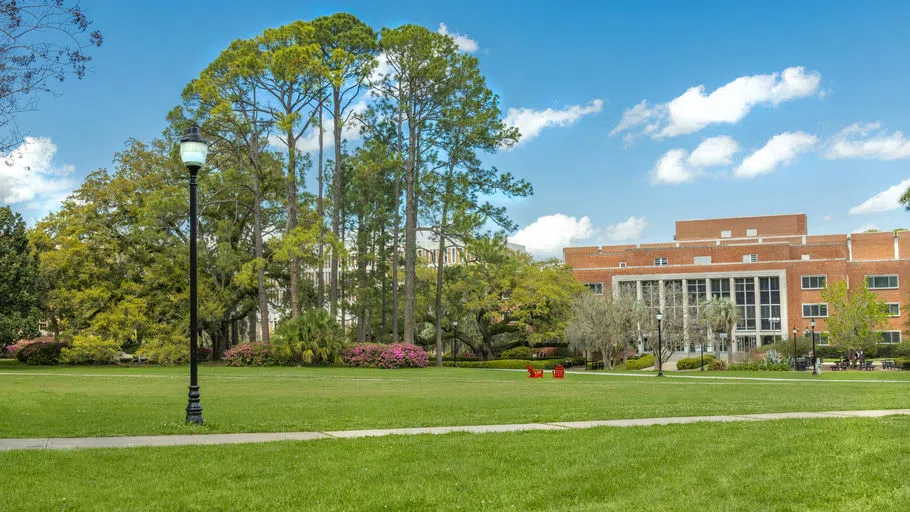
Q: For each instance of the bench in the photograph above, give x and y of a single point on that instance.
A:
(534, 374)
(559, 372)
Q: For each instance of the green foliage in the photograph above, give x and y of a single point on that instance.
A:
(40, 353)
(893, 350)
(19, 311)
(89, 349)
(510, 364)
(644, 361)
(718, 365)
(312, 338)
(760, 365)
(691, 363)
(166, 349)
(520, 352)
(721, 315)
(855, 317)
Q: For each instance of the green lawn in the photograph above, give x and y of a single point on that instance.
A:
(84, 401)
(789, 465)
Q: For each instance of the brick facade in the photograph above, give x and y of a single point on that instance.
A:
(775, 248)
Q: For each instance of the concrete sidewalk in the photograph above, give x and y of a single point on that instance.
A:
(64, 443)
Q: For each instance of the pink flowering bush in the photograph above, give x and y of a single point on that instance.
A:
(251, 354)
(396, 355)
(41, 351)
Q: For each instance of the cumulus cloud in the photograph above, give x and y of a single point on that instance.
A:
(531, 122)
(886, 200)
(28, 176)
(678, 166)
(780, 150)
(866, 140)
(548, 235)
(695, 109)
(464, 43)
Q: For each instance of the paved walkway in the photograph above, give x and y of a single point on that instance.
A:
(63, 443)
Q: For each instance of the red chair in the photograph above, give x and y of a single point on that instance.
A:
(534, 374)
(559, 372)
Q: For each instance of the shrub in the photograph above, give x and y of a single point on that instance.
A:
(166, 349)
(760, 365)
(642, 362)
(718, 364)
(38, 352)
(251, 354)
(312, 338)
(895, 350)
(396, 355)
(510, 364)
(691, 363)
(519, 352)
(89, 349)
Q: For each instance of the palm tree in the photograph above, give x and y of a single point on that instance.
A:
(722, 314)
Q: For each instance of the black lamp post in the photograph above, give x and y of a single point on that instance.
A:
(814, 366)
(795, 332)
(193, 150)
(660, 354)
(454, 349)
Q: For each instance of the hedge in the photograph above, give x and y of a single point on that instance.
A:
(510, 364)
(691, 363)
(760, 365)
(644, 361)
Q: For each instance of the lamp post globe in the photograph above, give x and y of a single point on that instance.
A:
(193, 151)
(660, 353)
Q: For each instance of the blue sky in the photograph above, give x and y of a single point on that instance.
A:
(823, 137)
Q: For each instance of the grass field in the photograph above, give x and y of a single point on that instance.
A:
(788, 465)
(90, 401)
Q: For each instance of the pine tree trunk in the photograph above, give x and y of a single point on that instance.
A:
(262, 298)
(336, 200)
(410, 239)
(251, 331)
(292, 217)
(320, 210)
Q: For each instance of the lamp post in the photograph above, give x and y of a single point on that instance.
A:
(814, 366)
(454, 335)
(795, 332)
(660, 353)
(773, 321)
(193, 150)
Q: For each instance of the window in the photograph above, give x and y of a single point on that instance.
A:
(805, 257)
(726, 233)
(822, 338)
(814, 282)
(702, 260)
(628, 289)
(750, 258)
(720, 288)
(752, 232)
(744, 291)
(42, 325)
(769, 297)
(815, 310)
(881, 282)
(698, 293)
(597, 288)
(660, 262)
(891, 337)
(622, 264)
(894, 309)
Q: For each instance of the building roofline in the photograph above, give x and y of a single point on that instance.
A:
(745, 217)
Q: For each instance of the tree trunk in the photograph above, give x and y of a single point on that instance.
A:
(336, 200)
(730, 342)
(235, 333)
(362, 274)
(320, 210)
(395, 236)
(292, 217)
(251, 331)
(410, 238)
(262, 298)
(440, 261)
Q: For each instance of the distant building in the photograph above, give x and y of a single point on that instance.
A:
(769, 265)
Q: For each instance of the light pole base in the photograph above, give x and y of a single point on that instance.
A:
(194, 408)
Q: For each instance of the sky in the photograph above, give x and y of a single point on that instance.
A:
(633, 115)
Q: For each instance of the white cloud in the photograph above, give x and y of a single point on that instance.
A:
(464, 43)
(547, 235)
(28, 175)
(858, 141)
(678, 166)
(886, 200)
(630, 229)
(827, 218)
(730, 103)
(530, 122)
(781, 149)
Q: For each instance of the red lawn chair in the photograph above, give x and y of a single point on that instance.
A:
(559, 372)
(534, 374)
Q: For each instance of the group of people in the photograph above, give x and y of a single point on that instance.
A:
(855, 356)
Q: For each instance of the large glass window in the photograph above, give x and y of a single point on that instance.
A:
(720, 288)
(597, 288)
(673, 298)
(769, 294)
(745, 299)
(881, 282)
(891, 337)
(628, 289)
(697, 290)
(650, 295)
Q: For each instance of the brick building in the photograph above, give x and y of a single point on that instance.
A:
(770, 265)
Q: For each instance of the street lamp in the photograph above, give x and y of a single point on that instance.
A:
(773, 321)
(454, 335)
(193, 150)
(795, 332)
(814, 366)
(660, 354)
